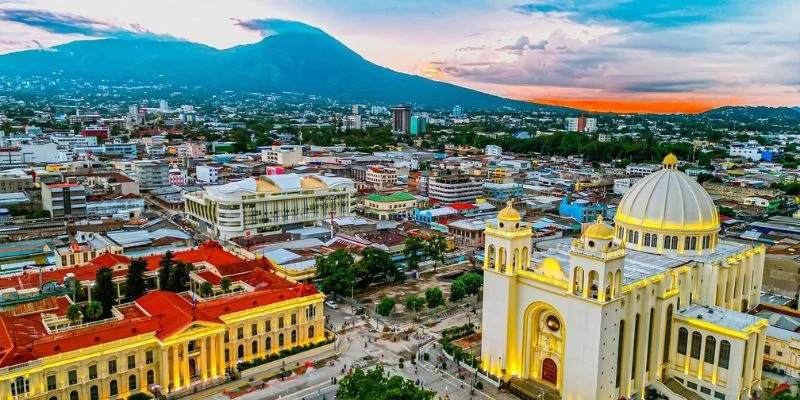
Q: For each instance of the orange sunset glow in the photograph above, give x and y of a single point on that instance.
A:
(641, 106)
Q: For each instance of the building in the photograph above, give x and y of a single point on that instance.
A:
(604, 137)
(401, 118)
(502, 192)
(96, 131)
(16, 180)
(581, 124)
(253, 205)
(381, 178)
(125, 150)
(352, 122)
(73, 141)
(358, 109)
(493, 150)
(34, 153)
(285, 156)
(165, 342)
(652, 303)
(394, 206)
(467, 232)
(581, 210)
(766, 204)
(451, 188)
(106, 206)
(621, 185)
(205, 174)
(458, 112)
(782, 347)
(418, 125)
(151, 174)
(641, 169)
(64, 199)
(753, 152)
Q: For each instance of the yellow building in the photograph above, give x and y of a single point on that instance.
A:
(161, 342)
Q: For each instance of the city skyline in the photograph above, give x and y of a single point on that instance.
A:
(604, 55)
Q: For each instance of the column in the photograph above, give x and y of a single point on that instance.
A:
(644, 330)
(748, 281)
(762, 339)
(700, 364)
(164, 367)
(176, 365)
(221, 354)
(747, 379)
(185, 364)
(729, 295)
(625, 387)
(203, 360)
(214, 356)
(758, 273)
(722, 285)
(739, 295)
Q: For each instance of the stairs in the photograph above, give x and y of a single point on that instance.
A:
(680, 390)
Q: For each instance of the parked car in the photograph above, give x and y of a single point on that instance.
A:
(332, 304)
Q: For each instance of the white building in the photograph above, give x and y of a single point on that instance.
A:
(581, 124)
(285, 156)
(750, 151)
(451, 188)
(253, 205)
(493, 150)
(621, 185)
(641, 169)
(381, 178)
(604, 137)
(151, 174)
(207, 173)
(25, 154)
(352, 122)
(652, 303)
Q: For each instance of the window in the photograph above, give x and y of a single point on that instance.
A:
(93, 371)
(667, 333)
(94, 393)
(691, 385)
(113, 389)
(74, 395)
(254, 330)
(311, 332)
(683, 338)
(294, 336)
(718, 395)
(240, 351)
(766, 349)
(112, 366)
(311, 313)
(148, 357)
(227, 355)
(635, 344)
(294, 319)
(705, 390)
(227, 337)
(724, 354)
(620, 340)
(696, 339)
(240, 333)
(280, 340)
(20, 386)
(132, 361)
(151, 378)
(280, 322)
(690, 243)
(711, 348)
(51, 382)
(254, 347)
(72, 377)
(268, 344)
(132, 382)
(268, 325)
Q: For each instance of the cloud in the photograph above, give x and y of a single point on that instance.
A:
(523, 43)
(540, 7)
(69, 24)
(274, 26)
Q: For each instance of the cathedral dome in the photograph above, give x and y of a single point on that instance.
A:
(509, 214)
(599, 230)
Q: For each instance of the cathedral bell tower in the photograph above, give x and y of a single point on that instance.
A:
(597, 264)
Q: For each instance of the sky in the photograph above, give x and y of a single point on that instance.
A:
(599, 55)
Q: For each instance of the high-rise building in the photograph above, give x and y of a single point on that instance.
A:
(163, 106)
(401, 118)
(358, 109)
(450, 188)
(418, 125)
(654, 301)
(458, 112)
(64, 199)
(581, 124)
(353, 121)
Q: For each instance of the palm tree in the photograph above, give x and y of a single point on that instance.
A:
(93, 310)
(206, 290)
(74, 313)
(225, 284)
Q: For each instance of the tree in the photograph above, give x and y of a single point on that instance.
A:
(414, 245)
(104, 290)
(374, 385)
(337, 272)
(434, 297)
(93, 311)
(457, 290)
(179, 277)
(165, 271)
(472, 283)
(375, 263)
(435, 248)
(414, 303)
(225, 284)
(386, 306)
(206, 289)
(77, 288)
(74, 313)
(135, 284)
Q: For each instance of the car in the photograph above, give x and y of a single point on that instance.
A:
(332, 304)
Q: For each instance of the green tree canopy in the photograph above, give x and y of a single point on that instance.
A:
(435, 248)
(472, 283)
(105, 291)
(414, 246)
(386, 306)
(74, 313)
(225, 284)
(414, 303)
(135, 284)
(337, 272)
(93, 311)
(434, 297)
(374, 385)
(376, 263)
(457, 290)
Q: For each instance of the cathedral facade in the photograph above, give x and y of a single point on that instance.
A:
(656, 301)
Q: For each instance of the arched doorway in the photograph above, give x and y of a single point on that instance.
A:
(544, 337)
(549, 371)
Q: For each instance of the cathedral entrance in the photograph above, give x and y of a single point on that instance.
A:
(543, 345)
(550, 371)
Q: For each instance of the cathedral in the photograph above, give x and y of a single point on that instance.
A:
(655, 302)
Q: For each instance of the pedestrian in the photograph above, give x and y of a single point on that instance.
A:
(365, 345)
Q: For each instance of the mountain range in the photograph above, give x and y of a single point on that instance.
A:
(308, 61)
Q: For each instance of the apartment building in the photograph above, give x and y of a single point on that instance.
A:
(285, 156)
(64, 199)
(451, 188)
(381, 178)
(151, 174)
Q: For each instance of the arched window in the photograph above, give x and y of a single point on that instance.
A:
(667, 242)
(636, 237)
(20, 386)
(268, 344)
(621, 233)
(113, 390)
(696, 339)
(724, 354)
(227, 355)
(635, 344)
(667, 333)
(240, 351)
(711, 348)
(294, 336)
(280, 340)
(690, 243)
(647, 240)
(94, 393)
(683, 339)
(254, 347)
(620, 341)
(74, 395)
(132, 382)
(311, 332)
(151, 378)
(53, 398)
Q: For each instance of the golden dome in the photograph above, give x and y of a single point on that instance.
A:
(599, 230)
(265, 186)
(309, 182)
(670, 159)
(550, 264)
(509, 213)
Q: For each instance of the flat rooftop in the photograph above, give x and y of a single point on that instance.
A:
(719, 316)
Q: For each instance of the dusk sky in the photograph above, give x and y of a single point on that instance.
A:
(617, 55)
